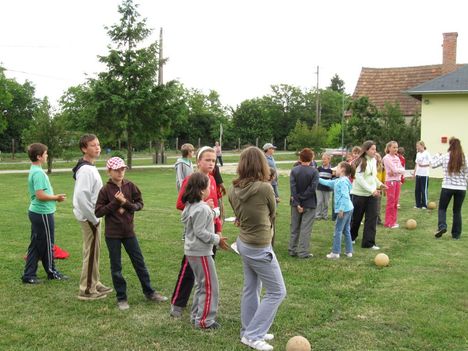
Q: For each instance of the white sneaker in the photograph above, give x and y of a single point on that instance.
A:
(375, 247)
(395, 226)
(354, 242)
(268, 337)
(260, 345)
(333, 256)
(123, 305)
(349, 254)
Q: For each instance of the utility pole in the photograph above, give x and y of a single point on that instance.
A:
(317, 100)
(161, 58)
(161, 82)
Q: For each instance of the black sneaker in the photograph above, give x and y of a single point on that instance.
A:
(31, 280)
(440, 232)
(213, 326)
(57, 276)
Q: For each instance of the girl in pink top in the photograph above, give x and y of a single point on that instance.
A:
(393, 172)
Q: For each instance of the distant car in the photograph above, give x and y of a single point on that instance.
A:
(336, 152)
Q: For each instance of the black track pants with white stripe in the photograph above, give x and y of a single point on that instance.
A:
(41, 246)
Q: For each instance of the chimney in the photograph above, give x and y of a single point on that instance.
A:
(449, 60)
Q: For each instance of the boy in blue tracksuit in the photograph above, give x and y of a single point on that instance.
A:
(343, 207)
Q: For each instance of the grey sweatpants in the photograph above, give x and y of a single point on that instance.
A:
(206, 295)
(260, 268)
(323, 199)
(301, 230)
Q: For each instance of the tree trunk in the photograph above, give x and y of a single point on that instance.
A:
(129, 150)
(49, 165)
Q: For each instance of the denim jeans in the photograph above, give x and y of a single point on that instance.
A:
(342, 227)
(445, 197)
(136, 257)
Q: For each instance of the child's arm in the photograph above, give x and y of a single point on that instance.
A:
(437, 160)
(136, 203)
(200, 218)
(43, 196)
(329, 183)
(104, 206)
(39, 183)
(181, 205)
(294, 196)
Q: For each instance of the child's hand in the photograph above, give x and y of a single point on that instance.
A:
(210, 203)
(340, 214)
(61, 197)
(223, 242)
(300, 209)
(237, 222)
(120, 197)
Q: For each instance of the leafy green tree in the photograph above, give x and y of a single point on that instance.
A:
(47, 130)
(17, 107)
(337, 84)
(332, 104)
(334, 136)
(392, 124)
(79, 108)
(303, 136)
(251, 121)
(124, 92)
(287, 106)
(364, 122)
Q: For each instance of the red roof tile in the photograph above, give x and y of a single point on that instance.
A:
(383, 85)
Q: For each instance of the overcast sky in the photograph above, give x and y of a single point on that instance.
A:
(238, 48)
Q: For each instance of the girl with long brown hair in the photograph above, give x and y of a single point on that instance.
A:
(453, 185)
(253, 201)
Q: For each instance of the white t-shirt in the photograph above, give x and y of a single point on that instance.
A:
(423, 158)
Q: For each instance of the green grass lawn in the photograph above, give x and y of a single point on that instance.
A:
(419, 302)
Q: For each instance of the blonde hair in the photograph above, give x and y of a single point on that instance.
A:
(252, 167)
(420, 142)
(186, 149)
(389, 144)
(204, 149)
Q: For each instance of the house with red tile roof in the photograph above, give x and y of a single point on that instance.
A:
(389, 85)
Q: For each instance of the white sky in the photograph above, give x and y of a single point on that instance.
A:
(236, 47)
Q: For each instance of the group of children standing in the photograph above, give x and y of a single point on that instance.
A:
(117, 201)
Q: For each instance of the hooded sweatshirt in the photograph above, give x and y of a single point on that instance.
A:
(87, 186)
(254, 206)
(183, 168)
(119, 218)
(199, 230)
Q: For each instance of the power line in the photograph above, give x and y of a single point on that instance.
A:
(33, 74)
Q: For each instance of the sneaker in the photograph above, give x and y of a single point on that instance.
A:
(395, 226)
(123, 305)
(156, 297)
(260, 345)
(333, 256)
(32, 281)
(440, 232)
(349, 254)
(375, 247)
(416, 207)
(213, 326)
(176, 312)
(57, 276)
(424, 208)
(268, 337)
(354, 242)
(398, 206)
(306, 256)
(90, 297)
(104, 289)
